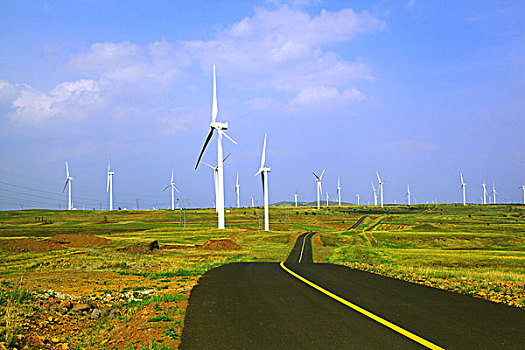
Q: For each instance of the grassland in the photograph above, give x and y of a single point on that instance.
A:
(475, 250)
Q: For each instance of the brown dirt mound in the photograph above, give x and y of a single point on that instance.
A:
(21, 245)
(220, 244)
(79, 241)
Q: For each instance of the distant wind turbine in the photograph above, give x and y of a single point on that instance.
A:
(494, 193)
(523, 188)
(109, 185)
(252, 202)
(358, 199)
(237, 191)
(327, 199)
(263, 170)
(173, 188)
(219, 127)
(463, 185)
(484, 184)
(375, 193)
(339, 190)
(216, 179)
(295, 197)
(319, 188)
(380, 187)
(68, 181)
(408, 194)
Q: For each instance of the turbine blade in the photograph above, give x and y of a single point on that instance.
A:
(378, 178)
(317, 177)
(461, 175)
(175, 188)
(171, 175)
(165, 188)
(107, 184)
(208, 165)
(226, 157)
(320, 188)
(321, 177)
(65, 185)
(237, 181)
(260, 171)
(263, 158)
(214, 107)
(262, 180)
(228, 137)
(208, 138)
(67, 170)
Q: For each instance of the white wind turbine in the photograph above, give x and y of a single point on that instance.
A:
(484, 184)
(109, 185)
(216, 179)
(252, 202)
(237, 191)
(339, 190)
(173, 188)
(263, 170)
(408, 194)
(327, 198)
(380, 187)
(319, 188)
(463, 186)
(295, 197)
(375, 193)
(494, 193)
(68, 181)
(523, 188)
(357, 195)
(215, 125)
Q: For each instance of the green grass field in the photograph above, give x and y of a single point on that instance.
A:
(475, 250)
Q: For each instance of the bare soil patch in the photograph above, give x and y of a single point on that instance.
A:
(78, 240)
(21, 245)
(220, 244)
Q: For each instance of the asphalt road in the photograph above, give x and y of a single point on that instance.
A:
(261, 306)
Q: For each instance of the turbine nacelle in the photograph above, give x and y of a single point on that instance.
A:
(219, 125)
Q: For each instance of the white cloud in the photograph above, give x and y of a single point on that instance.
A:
(411, 145)
(328, 97)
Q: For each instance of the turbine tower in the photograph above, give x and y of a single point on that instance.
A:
(252, 202)
(380, 187)
(523, 188)
(109, 185)
(339, 190)
(327, 199)
(484, 184)
(357, 199)
(295, 197)
(408, 194)
(463, 185)
(237, 191)
(219, 127)
(173, 188)
(68, 181)
(264, 177)
(375, 193)
(319, 188)
(215, 179)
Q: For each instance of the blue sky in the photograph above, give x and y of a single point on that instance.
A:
(418, 90)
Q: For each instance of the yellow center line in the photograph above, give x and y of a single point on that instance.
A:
(374, 317)
(302, 249)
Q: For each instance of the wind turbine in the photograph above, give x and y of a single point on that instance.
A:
(408, 194)
(264, 177)
(172, 185)
(295, 197)
(523, 188)
(68, 181)
(215, 125)
(494, 193)
(463, 185)
(216, 179)
(375, 193)
(237, 191)
(252, 202)
(327, 199)
(357, 199)
(484, 184)
(380, 187)
(339, 190)
(319, 188)
(109, 185)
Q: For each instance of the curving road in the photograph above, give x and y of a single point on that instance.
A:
(263, 306)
